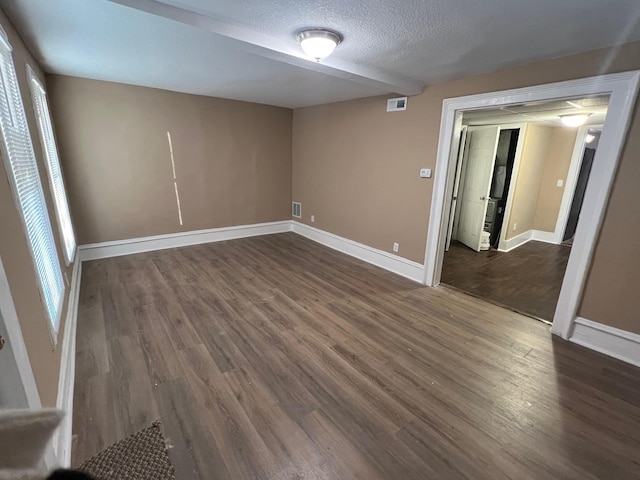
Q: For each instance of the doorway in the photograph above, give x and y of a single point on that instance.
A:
(504, 247)
(622, 89)
(481, 187)
(591, 144)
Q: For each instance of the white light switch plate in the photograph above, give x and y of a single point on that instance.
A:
(559, 182)
(425, 173)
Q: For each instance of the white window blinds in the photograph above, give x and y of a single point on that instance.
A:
(22, 171)
(52, 161)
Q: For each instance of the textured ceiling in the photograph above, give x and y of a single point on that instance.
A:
(425, 41)
(543, 112)
(432, 40)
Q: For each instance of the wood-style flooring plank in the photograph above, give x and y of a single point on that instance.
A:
(527, 279)
(275, 358)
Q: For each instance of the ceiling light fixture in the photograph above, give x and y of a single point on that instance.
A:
(318, 43)
(590, 138)
(574, 120)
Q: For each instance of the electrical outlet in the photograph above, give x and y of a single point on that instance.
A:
(313, 218)
(396, 247)
(515, 227)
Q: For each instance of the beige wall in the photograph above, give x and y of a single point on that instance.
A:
(546, 157)
(356, 168)
(232, 159)
(530, 172)
(14, 249)
(556, 167)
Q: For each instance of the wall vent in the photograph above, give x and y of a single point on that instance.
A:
(296, 209)
(397, 104)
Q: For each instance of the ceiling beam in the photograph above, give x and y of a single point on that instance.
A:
(273, 48)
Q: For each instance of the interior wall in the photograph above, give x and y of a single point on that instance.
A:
(232, 159)
(556, 167)
(356, 167)
(15, 250)
(535, 149)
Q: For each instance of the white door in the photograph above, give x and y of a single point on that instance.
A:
(483, 143)
(17, 385)
(456, 186)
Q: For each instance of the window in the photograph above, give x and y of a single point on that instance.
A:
(41, 107)
(22, 171)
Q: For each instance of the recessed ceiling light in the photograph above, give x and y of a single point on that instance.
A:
(318, 43)
(574, 120)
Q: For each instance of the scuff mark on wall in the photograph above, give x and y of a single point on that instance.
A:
(175, 180)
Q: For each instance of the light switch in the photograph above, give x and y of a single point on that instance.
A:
(560, 182)
(425, 173)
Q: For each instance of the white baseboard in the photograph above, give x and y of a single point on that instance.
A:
(611, 341)
(66, 381)
(547, 237)
(117, 248)
(539, 235)
(515, 242)
(388, 261)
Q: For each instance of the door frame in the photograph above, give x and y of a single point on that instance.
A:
(502, 241)
(623, 89)
(21, 356)
(18, 347)
(452, 226)
(572, 180)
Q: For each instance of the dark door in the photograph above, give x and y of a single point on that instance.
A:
(578, 196)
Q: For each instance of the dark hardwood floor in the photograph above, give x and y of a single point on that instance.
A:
(527, 279)
(276, 358)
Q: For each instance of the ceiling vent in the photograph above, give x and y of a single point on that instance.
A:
(397, 104)
(296, 209)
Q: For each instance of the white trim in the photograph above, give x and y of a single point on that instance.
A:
(538, 235)
(18, 347)
(379, 258)
(503, 244)
(129, 246)
(570, 182)
(49, 158)
(516, 241)
(21, 357)
(4, 38)
(66, 381)
(546, 237)
(623, 89)
(611, 341)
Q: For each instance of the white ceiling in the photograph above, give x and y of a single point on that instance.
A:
(246, 49)
(547, 112)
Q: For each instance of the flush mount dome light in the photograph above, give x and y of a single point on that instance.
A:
(318, 43)
(574, 120)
